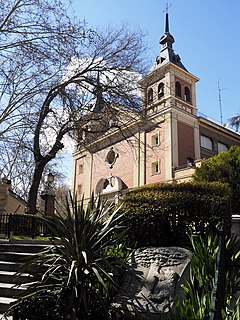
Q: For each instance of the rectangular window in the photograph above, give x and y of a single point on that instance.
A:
(155, 139)
(222, 147)
(79, 189)
(80, 168)
(206, 142)
(155, 167)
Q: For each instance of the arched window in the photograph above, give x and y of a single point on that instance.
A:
(178, 89)
(160, 90)
(150, 95)
(187, 94)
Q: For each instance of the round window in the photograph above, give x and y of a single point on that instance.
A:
(111, 157)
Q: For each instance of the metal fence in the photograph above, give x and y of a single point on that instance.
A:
(23, 225)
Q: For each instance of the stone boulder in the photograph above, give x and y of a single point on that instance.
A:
(154, 286)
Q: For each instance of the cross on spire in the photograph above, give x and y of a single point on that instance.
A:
(167, 7)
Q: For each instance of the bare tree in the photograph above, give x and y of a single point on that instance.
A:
(95, 89)
(16, 163)
(61, 77)
(37, 41)
(31, 55)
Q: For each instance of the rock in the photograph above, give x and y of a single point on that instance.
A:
(155, 285)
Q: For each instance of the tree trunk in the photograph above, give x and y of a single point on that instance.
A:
(33, 192)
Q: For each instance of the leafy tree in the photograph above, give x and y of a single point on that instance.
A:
(58, 77)
(224, 167)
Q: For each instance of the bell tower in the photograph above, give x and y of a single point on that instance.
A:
(169, 99)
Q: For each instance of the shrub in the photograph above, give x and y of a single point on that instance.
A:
(163, 214)
(224, 167)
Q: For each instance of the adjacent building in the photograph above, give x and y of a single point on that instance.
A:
(10, 202)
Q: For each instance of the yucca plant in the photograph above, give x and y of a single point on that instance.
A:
(79, 270)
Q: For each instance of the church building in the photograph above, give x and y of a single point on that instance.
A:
(163, 146)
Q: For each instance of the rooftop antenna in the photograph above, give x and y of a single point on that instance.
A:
(220, 100)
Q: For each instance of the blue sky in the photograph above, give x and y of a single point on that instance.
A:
(206, 36)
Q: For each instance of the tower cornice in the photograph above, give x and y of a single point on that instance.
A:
(151, 77)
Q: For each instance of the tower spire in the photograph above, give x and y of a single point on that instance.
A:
(167, 20)
(167, 24)
(166, 41)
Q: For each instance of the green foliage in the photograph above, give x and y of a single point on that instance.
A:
(198, 301)
(235, 122)
(224, 167)
(198, 289)
(78, 271)
(164, 214)
(233, 274)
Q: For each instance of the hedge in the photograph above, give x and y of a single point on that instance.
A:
(163, 214)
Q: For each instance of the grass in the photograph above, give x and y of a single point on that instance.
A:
(3, 236)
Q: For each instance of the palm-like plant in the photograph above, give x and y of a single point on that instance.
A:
(235, 122)
(78, 271)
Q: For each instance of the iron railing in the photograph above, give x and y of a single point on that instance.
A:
(23, 225)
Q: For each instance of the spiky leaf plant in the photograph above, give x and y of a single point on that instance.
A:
(78, 271)
(198, 303)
